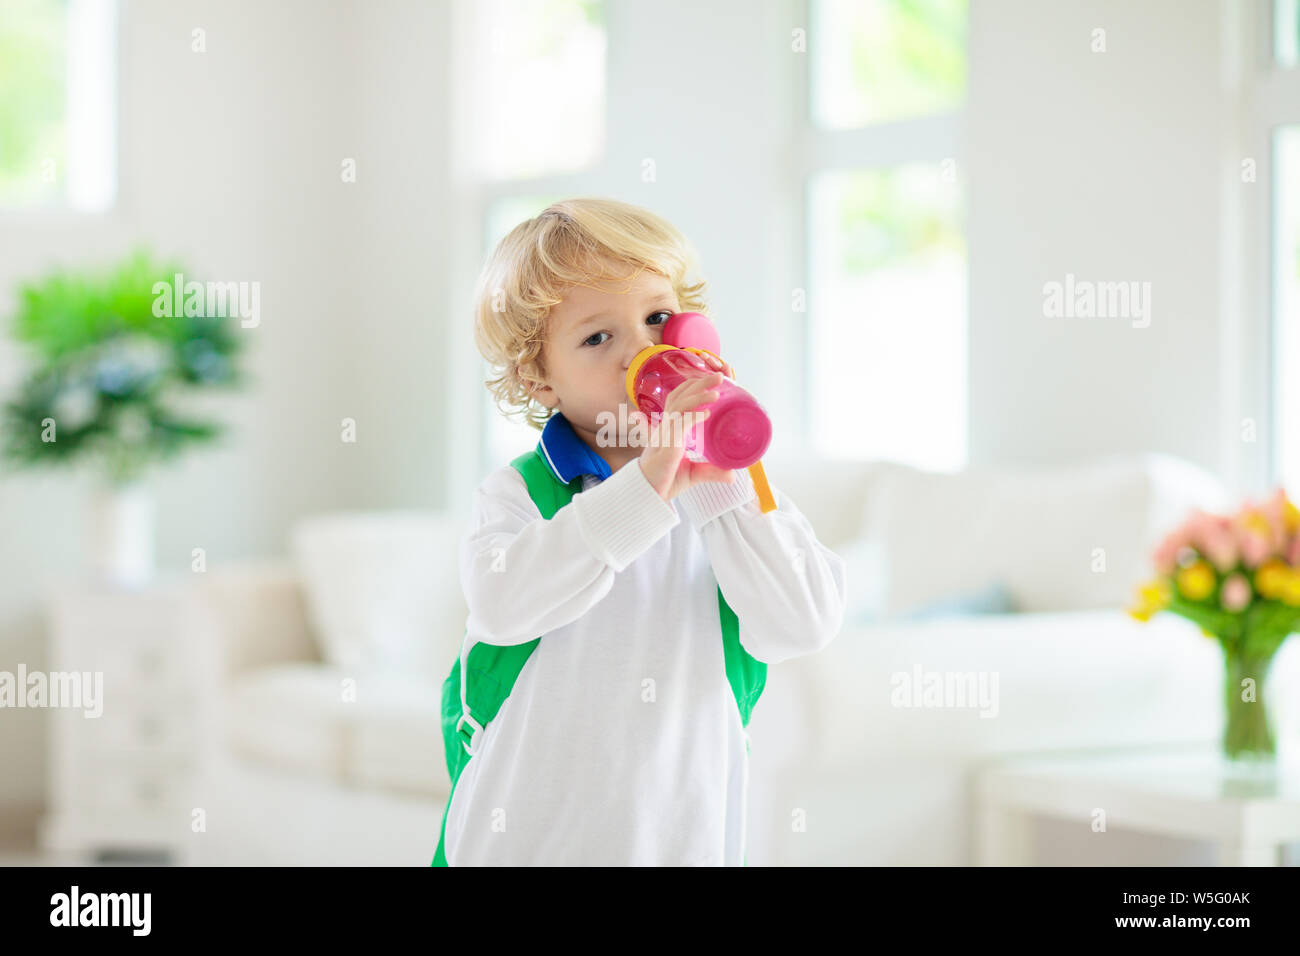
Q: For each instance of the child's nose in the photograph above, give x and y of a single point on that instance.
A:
(636, 348)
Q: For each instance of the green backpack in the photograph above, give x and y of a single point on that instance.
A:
(492, 670)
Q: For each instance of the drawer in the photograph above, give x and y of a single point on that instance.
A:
(150, 654)
(139, 780)
(144, 662)
(163, 788)
(144, 725)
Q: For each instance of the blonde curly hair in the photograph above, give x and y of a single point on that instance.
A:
(569, 243)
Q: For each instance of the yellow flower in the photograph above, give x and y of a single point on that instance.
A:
(1270, 577)
(1289, 591)
(1254, 520)
(1196, 580)
(1156, 591)
(1152, 596)
(1290, 515)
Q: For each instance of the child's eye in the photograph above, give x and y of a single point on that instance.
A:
(666, 316)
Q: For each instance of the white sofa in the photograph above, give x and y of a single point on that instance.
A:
(332, 750)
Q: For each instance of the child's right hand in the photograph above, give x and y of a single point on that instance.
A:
(663, 461)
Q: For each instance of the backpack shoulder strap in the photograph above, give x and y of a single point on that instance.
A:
(547, 491)
(746, 674)
(489, 671)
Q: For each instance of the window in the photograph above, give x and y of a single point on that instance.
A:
(538, 96)
(885, 60)
(57, 104)
(886, 257)
(1286, 298)
(1286, 33)
(1275, 118)
(890, 357)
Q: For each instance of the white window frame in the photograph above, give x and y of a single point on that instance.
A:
(925, 139)
(1268, 97)
(90, 116)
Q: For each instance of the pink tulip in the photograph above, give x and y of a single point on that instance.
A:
(1272, 512)
(1281, 504)
(1257, 535)
(1255, 548)
(1197, 527)
(1252, 535)
(1165, 557)
(1220, 545)
(1236, 593)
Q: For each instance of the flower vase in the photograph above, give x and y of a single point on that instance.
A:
(1247, 732)
(122, 535)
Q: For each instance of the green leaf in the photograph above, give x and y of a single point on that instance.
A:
(105, 368)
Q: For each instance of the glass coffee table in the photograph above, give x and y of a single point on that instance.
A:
(1249, 812)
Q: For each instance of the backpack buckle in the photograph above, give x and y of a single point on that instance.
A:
(466, 718)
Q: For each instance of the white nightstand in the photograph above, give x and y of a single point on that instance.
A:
(126, 780)
(1185, 792)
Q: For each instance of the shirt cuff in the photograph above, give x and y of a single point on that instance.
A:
(705, 501)
(621, 517)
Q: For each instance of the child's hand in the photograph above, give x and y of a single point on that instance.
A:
(663, 461)
(716, 363)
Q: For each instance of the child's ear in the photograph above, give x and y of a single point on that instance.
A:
(546, 395)
(540, 391)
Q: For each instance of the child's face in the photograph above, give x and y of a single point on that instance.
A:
(591, 338)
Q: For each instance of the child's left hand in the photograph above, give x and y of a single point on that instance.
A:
(715, 363)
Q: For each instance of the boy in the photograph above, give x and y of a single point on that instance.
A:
(620, 742)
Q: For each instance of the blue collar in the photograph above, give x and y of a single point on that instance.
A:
(568, 455)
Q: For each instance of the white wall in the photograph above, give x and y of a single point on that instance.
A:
(398, 359)
(1107, 166)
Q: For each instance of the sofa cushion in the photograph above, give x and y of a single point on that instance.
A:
(937, 534)
(383, 589)
(397, 743)
(993, 599)
(1072, 538)
(374, 730)
(1054, 680)
(1082, 537)
(1055, 538)
(830, 493)
(866, 570)
(291, 716)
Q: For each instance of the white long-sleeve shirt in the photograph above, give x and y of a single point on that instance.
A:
(621, 742)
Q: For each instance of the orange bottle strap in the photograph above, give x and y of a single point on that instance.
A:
(766, 502)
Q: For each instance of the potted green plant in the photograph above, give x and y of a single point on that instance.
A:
(110, 373)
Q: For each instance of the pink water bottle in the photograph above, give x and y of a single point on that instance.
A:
(737, 431)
